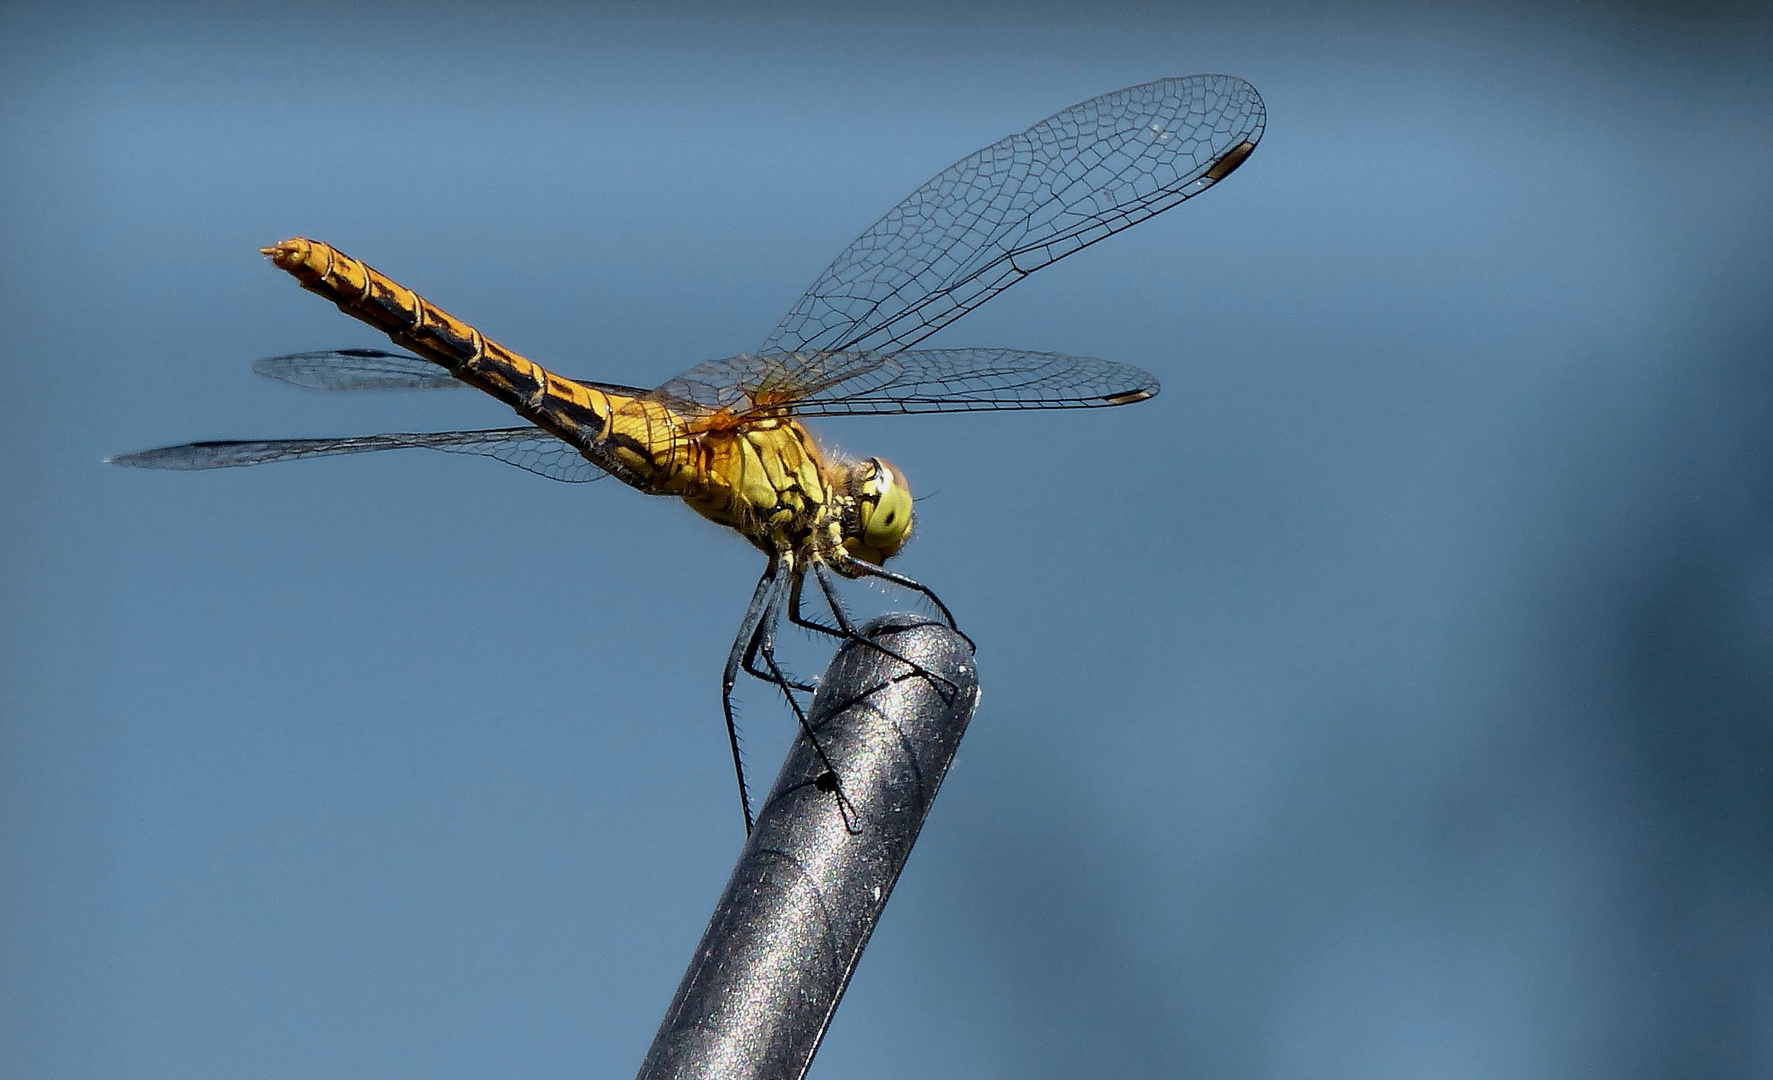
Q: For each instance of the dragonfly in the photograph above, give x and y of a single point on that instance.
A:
(727, 435)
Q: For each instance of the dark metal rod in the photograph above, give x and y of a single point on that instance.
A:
(809, 886)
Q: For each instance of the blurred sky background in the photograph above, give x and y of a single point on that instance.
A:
(1391, 697)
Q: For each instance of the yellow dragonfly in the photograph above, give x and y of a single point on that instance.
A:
(725, 436)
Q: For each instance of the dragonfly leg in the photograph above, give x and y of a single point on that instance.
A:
(763, 647)
(729, 678)
(858, 568)
(766, 633)
(844, 629)
(829, 588)
(828, 780)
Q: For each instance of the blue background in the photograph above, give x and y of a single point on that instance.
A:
(1391, 697)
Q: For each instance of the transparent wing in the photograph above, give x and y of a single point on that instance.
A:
(993, 218)
(927, 380)
(356, 369)
(377, 369)
(526, 447)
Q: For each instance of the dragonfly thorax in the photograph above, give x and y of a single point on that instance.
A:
(765, 480)
(769, 481)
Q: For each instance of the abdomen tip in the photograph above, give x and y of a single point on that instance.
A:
(288, 253)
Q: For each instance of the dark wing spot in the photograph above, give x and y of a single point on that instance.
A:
(1127, 397)
(1232, 159)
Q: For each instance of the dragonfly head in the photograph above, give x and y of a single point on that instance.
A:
(880, 516)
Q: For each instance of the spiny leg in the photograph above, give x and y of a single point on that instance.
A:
(848, 628)
(766, 630)
(763, 645)
(730, 677)
(858, 568)
(844, 629)
(827, 781)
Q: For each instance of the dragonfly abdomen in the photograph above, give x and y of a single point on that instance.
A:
(366, 294)
(577, 413)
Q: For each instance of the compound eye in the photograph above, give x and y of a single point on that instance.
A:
(885, 507)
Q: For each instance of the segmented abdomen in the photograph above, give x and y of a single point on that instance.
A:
(621, 434)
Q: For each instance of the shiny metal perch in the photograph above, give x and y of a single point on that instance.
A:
(810, 885)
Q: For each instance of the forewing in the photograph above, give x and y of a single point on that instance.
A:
(526, 447)
(993, 218)
(969, 380)
(916, 381)
(378, 369)
(747, 382)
